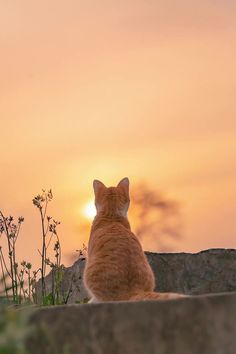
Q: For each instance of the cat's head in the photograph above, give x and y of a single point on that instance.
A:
(112, 201)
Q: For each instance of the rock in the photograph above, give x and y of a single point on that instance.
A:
(199, 324)
(72, 289)
(209, 271)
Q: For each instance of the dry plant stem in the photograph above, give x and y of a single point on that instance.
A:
(14, 259)
(21, 283)
(10, 257)
(15, 269)
(33, 287)
(53, 286)
(49, 242)
(18, 231)
(65, 299)
(3, 275)
(20, 280)
(29, 287)
(44, 250)
(4, 263)
(58, 257)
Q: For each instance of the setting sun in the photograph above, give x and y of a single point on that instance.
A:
(148, 92)
(90, 210)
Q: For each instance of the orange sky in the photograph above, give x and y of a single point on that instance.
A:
(107, 89)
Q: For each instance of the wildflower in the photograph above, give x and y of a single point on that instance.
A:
(28, 265)
(20, 219)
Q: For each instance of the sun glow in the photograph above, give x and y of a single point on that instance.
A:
(90, 210)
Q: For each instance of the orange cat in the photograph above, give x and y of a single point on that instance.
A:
(117, 268)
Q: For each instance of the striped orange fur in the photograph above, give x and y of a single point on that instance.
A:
(117, 268)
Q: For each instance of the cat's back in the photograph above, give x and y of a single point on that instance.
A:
(116, 266)
(114, 236)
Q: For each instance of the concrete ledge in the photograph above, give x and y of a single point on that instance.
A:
(204, 324)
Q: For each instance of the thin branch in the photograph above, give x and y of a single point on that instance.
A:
(45, 208)
(17, 233)
(4, 262)
(10, 254)
(3, 276)
(49, 242)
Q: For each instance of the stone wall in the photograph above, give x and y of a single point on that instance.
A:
(209, 271)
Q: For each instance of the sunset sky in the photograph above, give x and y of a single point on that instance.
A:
(107, 89)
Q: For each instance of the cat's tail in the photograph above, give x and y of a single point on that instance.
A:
(151, 295)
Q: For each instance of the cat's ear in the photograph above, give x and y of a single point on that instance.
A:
(124, 184)
(97, 186)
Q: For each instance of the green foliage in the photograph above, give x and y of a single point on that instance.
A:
(84, 301)
(48, 299)
(12, 329)
(48, 232)
(11, 230)
(18, 281)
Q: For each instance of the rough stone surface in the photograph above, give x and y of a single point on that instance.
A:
(209, 271)
(72, 287)
(203, 324)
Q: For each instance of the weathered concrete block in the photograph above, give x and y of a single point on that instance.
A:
(203, 324)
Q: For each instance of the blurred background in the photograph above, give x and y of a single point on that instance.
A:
(109, 89)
